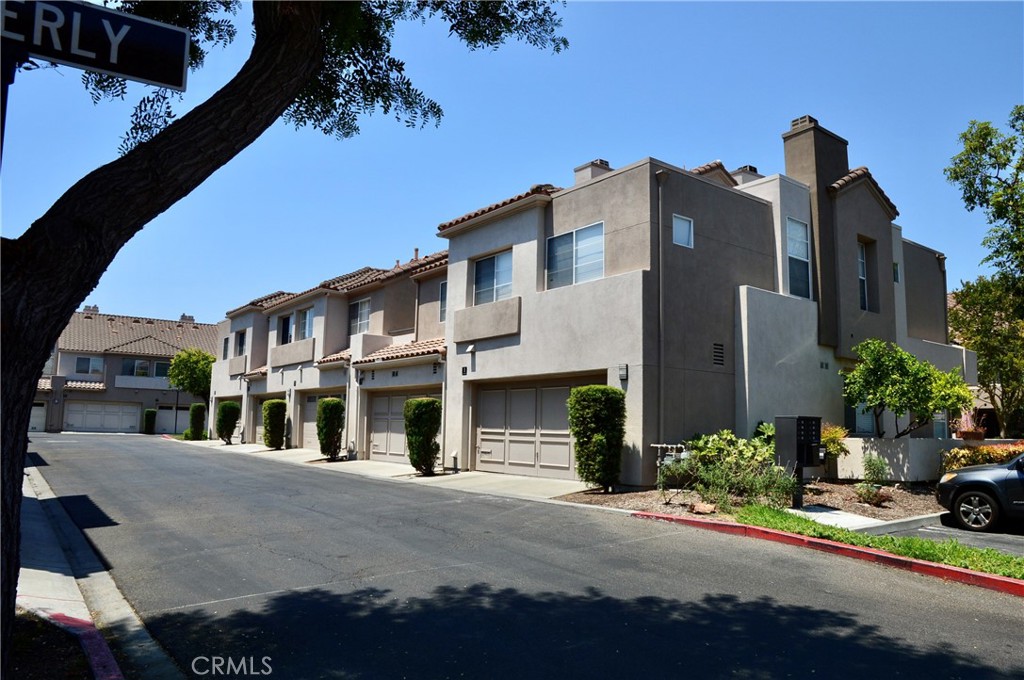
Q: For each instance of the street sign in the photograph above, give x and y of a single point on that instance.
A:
(95, 38)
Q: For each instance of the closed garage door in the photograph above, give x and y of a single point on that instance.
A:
(525, 431)
(38, 420)
(387, 426)
(96, 416)
(171, 421)
(310, 439)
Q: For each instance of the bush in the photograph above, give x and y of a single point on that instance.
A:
(597, 421)
(870, 491)
(330, 418)
(187, 435)
(274, 416)
(422, 423)
(980, 455)
(197, 421)
(876, 470)
(832, 437)
(149, 421)
(228, 413)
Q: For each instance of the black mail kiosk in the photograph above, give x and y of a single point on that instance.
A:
(798, 445)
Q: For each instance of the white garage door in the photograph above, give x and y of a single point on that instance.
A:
(38, 420)
(166, 423)
(387, 426)
(525, 431)
(98, 416)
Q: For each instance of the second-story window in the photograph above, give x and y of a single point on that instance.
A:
(160, 368)
(443, 302)
(576, 257)
(798, 245)
(492, 278)
(284, 325)
(227, 344)
(304, 327)
(136, 367)
(682, 231)
(359, 317)
(239, 343)
(862, 274)
(89, 365)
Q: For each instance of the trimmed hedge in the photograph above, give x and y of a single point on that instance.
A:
(330, 418)
(149, 421)
(228, 413)
(597, 421)
(274, 416)
(422, 423)
(197, 421)
(980, 455)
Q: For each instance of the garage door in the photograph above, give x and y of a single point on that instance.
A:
(387, 426)
(97, 416)
(38, 421)
(310, 440)
(166, 423)
(525, 431)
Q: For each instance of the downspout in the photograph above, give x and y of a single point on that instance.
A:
(661, 176)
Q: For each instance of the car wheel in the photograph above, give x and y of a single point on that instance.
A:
(975, 511)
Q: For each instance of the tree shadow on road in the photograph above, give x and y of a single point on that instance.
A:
(483, 632)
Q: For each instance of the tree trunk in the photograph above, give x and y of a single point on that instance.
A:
(52, 267)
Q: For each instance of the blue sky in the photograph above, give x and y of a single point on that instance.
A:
(686, 83)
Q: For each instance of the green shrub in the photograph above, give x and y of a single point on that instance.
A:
(597, 421)
(980, 455)
(149, 421)
(422, 423)
(228, 413)
(197, 421)
(876, 470)
(187, 435)
(832, 437)
(274, 416)
(330, 418)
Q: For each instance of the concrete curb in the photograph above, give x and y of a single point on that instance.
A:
(901, 524)
(1003, 584)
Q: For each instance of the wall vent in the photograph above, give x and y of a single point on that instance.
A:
(718, 354)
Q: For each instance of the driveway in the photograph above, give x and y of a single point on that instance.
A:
(316, 574)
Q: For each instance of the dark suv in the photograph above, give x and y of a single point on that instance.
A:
(978, 496)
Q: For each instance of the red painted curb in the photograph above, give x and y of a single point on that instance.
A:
(1003, 584)
(101, 659)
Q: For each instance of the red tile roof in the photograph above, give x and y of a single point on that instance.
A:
(406, 351)
(45, 385)
(342, 356)
(256, 373)
(535, 190)
(112, 334)
(262, 302)
(862, 174)
(715, 166)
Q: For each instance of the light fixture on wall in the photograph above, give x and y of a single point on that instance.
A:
(623, 372)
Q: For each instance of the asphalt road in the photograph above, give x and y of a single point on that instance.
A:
(329, 575)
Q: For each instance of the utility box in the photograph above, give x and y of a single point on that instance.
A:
(798, 441)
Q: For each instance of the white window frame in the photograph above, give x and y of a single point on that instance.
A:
(285, 329)
(442, 302)
(682, 231)
(227, 346)
(95, 366)
(862, 276)
(360, 323)
(790, 255)
(239, 343)
(576, 265)
(896, 272)
(499, 291)
(304, 323)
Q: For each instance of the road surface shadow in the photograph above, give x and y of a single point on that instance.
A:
(483, 632)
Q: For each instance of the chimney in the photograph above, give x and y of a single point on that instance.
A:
(748, 173)
(594, 168)
(187, 318)
(415, 253)
(91, 309)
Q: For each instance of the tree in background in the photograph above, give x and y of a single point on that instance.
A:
(983, 320)
(318, 64)
(990, 174)
(889, 378)
(190, 372)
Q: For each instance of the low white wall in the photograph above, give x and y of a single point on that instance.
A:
(909, 460)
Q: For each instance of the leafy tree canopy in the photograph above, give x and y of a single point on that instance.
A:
(986, 319)
(889, 378)
(990, 174)
(190, 371)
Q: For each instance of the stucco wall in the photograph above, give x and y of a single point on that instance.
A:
(925, 276)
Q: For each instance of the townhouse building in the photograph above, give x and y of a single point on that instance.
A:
(106, 369)
(716, 299)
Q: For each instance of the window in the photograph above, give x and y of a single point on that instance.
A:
(865, 423)
(239, 343)
(359, 317)
(304, 327)
(895, 272)
(227, 344)
(682, 231)
(284, 325)
(493, 278)
(798, 245)
(89, 365)
(862, 274)
(136, 367)
(576, 257)
(160, 368)
(443, 302)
